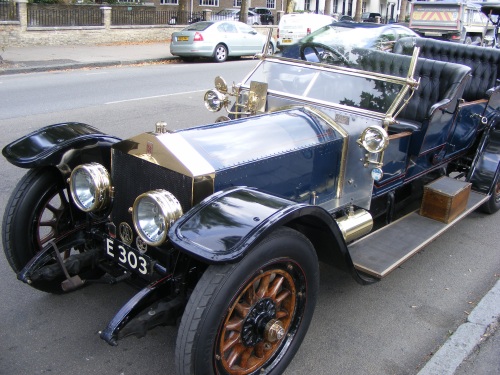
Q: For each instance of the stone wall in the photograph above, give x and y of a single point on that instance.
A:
(12, 35)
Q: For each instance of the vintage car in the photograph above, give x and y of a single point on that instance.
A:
(358, 159)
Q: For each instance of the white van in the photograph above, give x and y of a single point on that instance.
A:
(295, 26)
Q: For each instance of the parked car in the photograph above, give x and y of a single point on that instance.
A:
(346, 18)
(348, 35)
(294, 26)
(218, 40)
(266, 15)
(221, 226)
(370, 17)
(234, 14)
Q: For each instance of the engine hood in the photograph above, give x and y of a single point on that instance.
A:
(297, 154)
(208, 149)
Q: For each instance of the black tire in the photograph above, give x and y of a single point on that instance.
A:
(37, 211)
(270, 49)
(493, 204)
(220, 53)
(225, 323)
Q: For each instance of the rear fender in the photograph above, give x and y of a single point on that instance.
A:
(229, 224)
(64, 146)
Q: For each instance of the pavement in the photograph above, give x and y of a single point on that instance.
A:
(15, 60)
(474, 348)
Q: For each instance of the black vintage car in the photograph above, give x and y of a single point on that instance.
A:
(266, 15)
(354, 157)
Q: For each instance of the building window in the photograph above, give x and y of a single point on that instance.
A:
(271, 4)
(363, 7)
(307, 4)
(336, 6)
(169, 2)
(237, 3)
(209, 3)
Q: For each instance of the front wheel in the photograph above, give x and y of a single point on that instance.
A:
(37, 212)
(220, 53)
(250, 317)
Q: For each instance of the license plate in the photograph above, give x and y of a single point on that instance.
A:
(128, 256)
(182, 38)
(286, 41)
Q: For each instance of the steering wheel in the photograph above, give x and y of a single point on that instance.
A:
(329, 55)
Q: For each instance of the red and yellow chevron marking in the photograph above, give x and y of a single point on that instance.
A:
(433, 16)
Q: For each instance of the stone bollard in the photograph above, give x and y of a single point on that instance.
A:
(22, 9)
(106, 14)
(207, 14)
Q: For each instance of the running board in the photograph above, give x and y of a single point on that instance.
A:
(382, 251)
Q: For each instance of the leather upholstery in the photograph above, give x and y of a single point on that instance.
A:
(484, 62)
(440, 82)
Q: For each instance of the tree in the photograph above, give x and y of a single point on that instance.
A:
(244, 11)
(402, 12)
(359, 8)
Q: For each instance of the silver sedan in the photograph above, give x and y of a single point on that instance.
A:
(218, 40)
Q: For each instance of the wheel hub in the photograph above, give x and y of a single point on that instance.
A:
(256, 326)
(274, 330)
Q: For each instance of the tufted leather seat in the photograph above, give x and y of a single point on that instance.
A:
(441, 83)
(484, 62)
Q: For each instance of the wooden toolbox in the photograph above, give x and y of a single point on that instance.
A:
(445, 199)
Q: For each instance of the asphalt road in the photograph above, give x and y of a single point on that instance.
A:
(391, 327)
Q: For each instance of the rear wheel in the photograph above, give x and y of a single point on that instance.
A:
(220, 53)
(493, 204)
(250, 317)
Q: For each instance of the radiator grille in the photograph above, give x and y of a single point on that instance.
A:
(132, 176)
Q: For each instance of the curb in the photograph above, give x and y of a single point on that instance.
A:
(80, 65)
(483, 319)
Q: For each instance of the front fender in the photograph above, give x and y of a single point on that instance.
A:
(62, 145)
(224, 227)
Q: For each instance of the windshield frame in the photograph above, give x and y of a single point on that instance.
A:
(408, 84)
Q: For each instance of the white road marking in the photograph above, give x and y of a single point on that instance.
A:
(155, 97)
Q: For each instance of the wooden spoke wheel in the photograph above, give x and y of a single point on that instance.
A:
(259, 319)
(250, 317)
